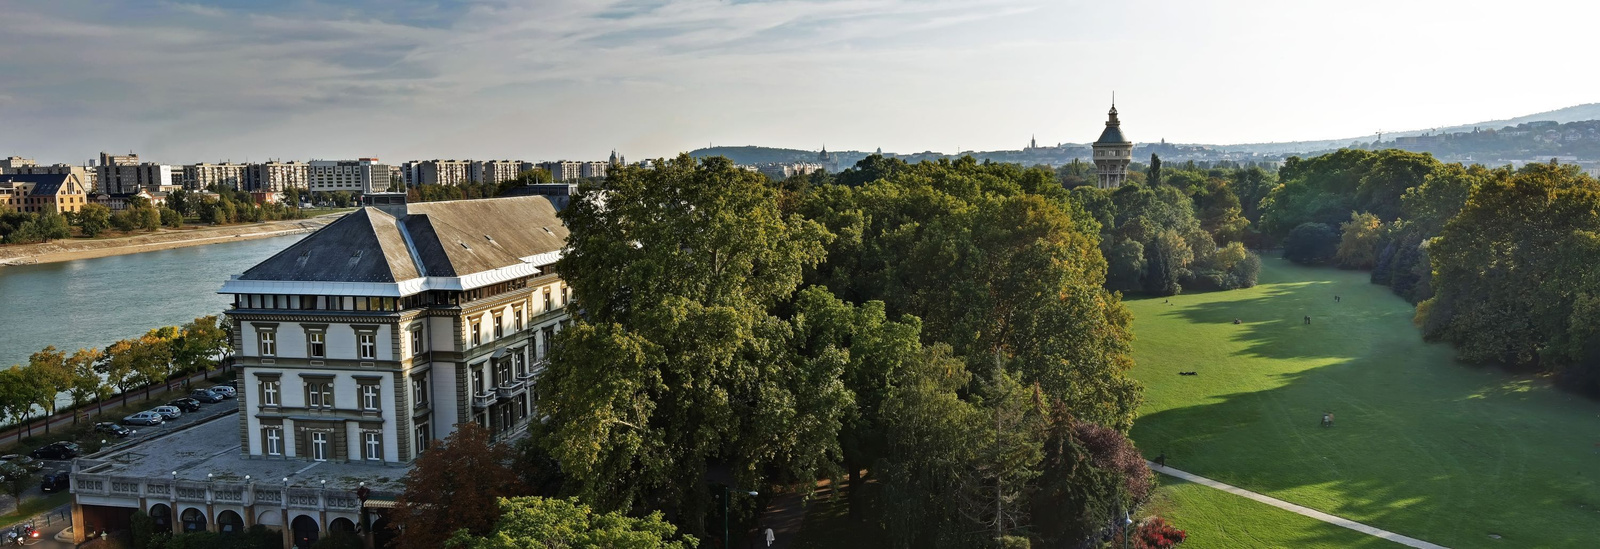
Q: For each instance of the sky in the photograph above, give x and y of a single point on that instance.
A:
(243, 80)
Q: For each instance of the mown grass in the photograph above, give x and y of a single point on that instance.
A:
(1423, 445)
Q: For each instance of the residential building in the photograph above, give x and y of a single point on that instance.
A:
(782, 171)
(87, 175)
(226, 175)
(1112, 153)
(13, 162)
(594, 169)
(38, 193)
(277, 176)
(357, 348)
(442, 172)
(559, 194)
(360, 176)
(495, 171)
(124, 174)
(563, 170)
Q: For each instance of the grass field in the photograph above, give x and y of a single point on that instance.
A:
(1218, 520)
(1458, 455)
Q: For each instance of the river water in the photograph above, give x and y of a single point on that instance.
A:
(95, 302)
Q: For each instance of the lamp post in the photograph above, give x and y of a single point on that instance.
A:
(726, 541)
(1127, 520)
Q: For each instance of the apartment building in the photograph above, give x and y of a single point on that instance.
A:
(277, 176)
(227, 175)
(563, 170)
(441, 172)
(495, 171)
(361, 176)
(125, 174)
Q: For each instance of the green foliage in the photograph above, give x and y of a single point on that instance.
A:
(535, 522)
(144, 531)
(1325, 189)
(1358, 241)
(42, 227)
(170, 218)
(94, 219)
(1310, 244)
(1514, 274)
(339, 540)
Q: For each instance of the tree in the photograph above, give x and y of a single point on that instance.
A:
(1153, 172)
(197, 345)
(1358, 241)
(118, 363)
(152, 358)
(931, 444)
(94, 219)
(1165, 263)
(143, 528)
(454, 485)
(669, 372)
(49, 370)
(535, 522)
(17, 395)
(1090, 476)
(86, 383)
(1310, 244)
(171, 218)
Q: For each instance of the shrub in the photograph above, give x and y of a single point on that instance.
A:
(1310, 244)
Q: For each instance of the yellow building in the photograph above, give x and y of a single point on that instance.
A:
(38, 193)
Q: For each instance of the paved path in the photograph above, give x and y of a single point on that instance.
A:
(1296, 509)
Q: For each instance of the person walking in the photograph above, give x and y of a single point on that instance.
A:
(771, 537)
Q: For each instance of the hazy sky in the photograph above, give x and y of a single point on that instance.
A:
(185, 82)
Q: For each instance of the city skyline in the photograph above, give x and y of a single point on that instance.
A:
(182, 83)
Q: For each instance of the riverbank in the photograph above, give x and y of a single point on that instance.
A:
(163, 239)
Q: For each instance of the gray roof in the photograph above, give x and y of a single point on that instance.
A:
(43, 183)
(1113, 134)
(454, 238)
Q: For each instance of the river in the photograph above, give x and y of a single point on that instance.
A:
(95, 302)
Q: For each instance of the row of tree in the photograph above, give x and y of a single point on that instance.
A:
(91, 375)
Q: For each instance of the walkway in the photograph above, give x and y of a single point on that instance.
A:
(1313, 513)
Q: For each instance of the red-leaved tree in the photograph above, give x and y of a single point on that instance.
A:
(454, 485)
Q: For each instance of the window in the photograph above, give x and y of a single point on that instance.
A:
(419, 392)
(566, 294)
(547, 304)
(517, 315)
(319, 446)
(269, 393)
(477, 334)
(319, 395)
(374, 445)
(274, 439)
(314, 342)
(369, 397)
(369, 346)
(416, 341)
(477, 382)
(422, 438)
(269, 343)
(499, 328)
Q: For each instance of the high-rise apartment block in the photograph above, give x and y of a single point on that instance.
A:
(440, 172)
(495, 171)
(363, 176)
(277, 176)
(570, 170)
(121, 175)
(226, 175)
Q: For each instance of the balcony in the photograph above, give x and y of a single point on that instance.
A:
(508, 389)
(525, 376)
(483, 400)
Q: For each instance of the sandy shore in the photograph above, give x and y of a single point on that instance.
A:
(164, 239)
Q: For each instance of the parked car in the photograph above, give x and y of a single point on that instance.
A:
(205, 395)
(227, 391)
(113, 429)
(27, 463)
(168, 412)
(58, 450)
(55, 482)
(143, 418)
(186, 404)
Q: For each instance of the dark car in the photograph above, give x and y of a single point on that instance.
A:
(186, 404)
(206, 396)
(58, 450)
(113, 429)
(55, 482)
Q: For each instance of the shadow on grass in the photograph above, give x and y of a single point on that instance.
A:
(1422, 445)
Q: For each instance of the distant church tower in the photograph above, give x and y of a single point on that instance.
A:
(1112, 153)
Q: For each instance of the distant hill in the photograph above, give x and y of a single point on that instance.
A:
(754, 155)
(1576, 113)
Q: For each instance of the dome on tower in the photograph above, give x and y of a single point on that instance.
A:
(1113, 132)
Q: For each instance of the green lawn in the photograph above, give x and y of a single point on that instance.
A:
(1424, 446)
(1218, 520)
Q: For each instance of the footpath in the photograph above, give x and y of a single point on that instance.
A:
(1297, 509)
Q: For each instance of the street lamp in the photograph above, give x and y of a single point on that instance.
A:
(725, 539)
(1127, 520)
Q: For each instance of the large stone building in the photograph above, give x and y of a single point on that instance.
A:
(357, 348)
(1112, 153)
(39, 193)
(363, 176)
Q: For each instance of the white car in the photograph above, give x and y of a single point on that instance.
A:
(226, 391)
